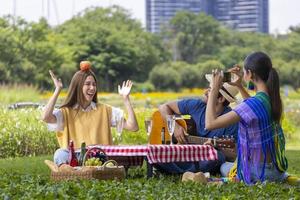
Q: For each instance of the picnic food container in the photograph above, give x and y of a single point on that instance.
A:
(108, 171)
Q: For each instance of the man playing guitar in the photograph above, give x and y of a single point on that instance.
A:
(196, 109)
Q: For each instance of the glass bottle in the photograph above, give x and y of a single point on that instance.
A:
(73, 162)
(163, 135)
(82, 153)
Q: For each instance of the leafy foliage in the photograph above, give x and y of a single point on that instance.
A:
(194, 35)
(119, 49)
(116, 44)
(23, 134)
(28, 178)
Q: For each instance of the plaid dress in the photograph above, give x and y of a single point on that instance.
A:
(258, 138)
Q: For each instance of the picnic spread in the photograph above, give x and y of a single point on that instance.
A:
(125, 156)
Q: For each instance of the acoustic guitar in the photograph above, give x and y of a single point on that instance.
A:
(158, 123)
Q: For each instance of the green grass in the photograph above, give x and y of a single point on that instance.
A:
(28, 178)
(25, 165)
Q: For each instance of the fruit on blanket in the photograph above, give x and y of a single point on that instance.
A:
(93, 162)
(85, 65)
(110, 164)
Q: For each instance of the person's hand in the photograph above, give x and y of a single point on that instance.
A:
(238, 76)
(124, 91)
(209, 142)
(57, 81)
(179, 134)
(217, 79)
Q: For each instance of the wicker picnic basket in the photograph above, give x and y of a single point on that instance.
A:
(103, 172)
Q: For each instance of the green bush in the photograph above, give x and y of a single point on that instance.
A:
(22, 133)
(165, 77)
(143, 87)
(135, 138)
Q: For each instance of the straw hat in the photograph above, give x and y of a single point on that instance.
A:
(229, 92)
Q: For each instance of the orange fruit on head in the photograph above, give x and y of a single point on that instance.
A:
(85, 65)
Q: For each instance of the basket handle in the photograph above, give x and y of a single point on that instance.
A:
(88, 151)
(110, 161)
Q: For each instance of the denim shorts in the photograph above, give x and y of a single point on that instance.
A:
(61, 156)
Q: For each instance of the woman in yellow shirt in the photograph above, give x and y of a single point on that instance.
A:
(81, 118)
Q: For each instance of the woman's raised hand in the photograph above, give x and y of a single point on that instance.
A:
(238, 76)
(124, 91)
(57, 81)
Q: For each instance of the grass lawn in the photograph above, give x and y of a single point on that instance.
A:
(28, 178)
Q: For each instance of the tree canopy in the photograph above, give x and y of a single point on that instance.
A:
(119, 48)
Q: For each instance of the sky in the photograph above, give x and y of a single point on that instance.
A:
(283, 13)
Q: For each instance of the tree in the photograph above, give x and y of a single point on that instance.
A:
(193, 35)
(10, 53)
(40, 53)
(117, 45)
(289, 72)
(232, 55)
(27, 51)
(165, 77)
(295, 29)
(289, 47)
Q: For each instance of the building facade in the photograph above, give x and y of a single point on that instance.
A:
(242, 15)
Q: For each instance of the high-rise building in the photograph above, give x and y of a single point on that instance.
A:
(159, 12)
(242, 15)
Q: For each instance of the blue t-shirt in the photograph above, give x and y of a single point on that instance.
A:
(196, 109)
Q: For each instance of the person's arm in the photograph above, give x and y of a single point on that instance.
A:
(131, 123)
(48, 115)
(212, 121)
(171, 108)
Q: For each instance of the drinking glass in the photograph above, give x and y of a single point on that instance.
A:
(148, 126)
(171, 126)
(119, 126)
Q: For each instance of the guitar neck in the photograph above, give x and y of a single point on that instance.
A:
(197, 140)
(218, 142)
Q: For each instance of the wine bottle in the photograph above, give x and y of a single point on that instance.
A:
(82, 153)
(73, 162)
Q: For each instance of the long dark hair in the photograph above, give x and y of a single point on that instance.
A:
(75, 94)
(261, 67)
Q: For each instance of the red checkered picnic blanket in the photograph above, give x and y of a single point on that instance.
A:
(130, 155)
(164, 153)
(180, 153)
(125, 150)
